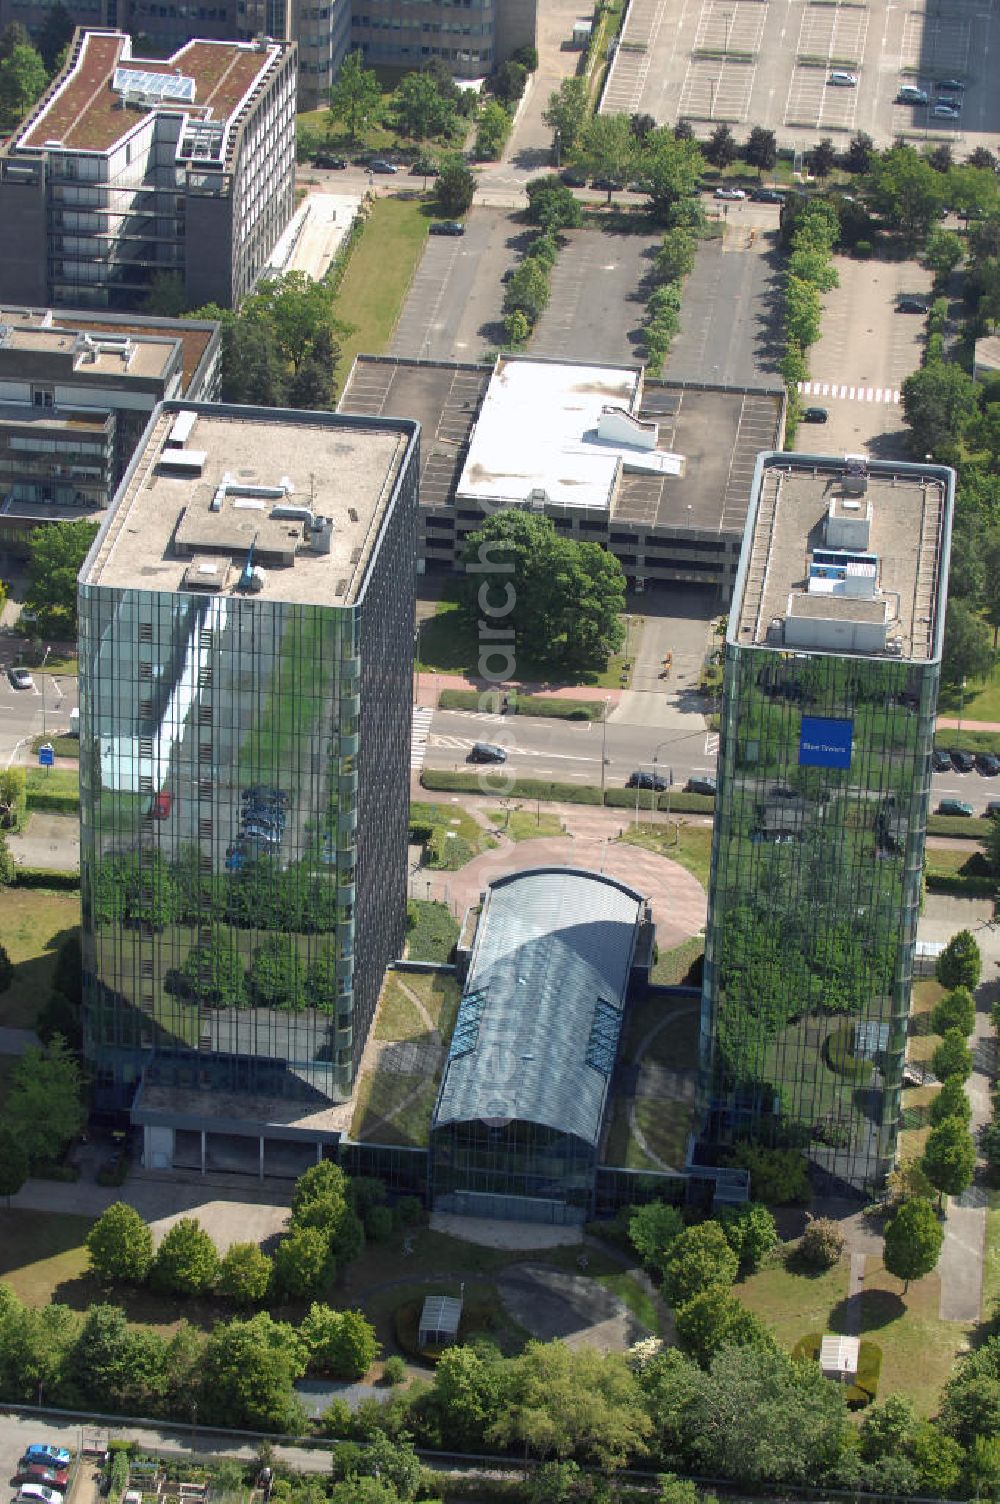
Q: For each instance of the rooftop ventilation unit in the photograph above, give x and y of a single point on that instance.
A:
(291, 512)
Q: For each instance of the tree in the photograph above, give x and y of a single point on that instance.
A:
(803, 312)
(468, 1394)
(13, 35)
(561, 600)
(355, 97)
(952, 1101)
(420, 108)
(858, 156)
(245, 1274)
(952, 1057)
(44, 1106)
(750, 1232)
(777, 1176)
(320, 1197)
(6, 863)
(669, 171)
(572, 1401)
(983, 159)
(13, 1162)
(821, 1244)
(392, 1460)
(761, 150)
(492, 130)
(567, 110)
(186, 1261)
(714, 1319)
(508, 82)
(943, 251)
(22, 79)
(57, 552)
(823, 158)
(13, 794)
(968, 653)
(528, 290)
(721, 148)
(248, 1369)
(812, 264)
(608, 149)
(252, 366)
(278, 974)
(120, 1245)
(213, 971)
(310, 389)
(940, 158)
(652, 1230)
(341, 1343)
(303, 1264)
(552, 204)
(949, 1159)
(115, 1366)
(296, 307)
(906, 192)
(700, 1258)
(956, 1010)
(454, 186)
(56, 33)
(938, 402)
(913, 1241)
(675, 257)
(960, 964)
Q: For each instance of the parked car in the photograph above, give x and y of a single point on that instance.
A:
(993, 809)
(323, 159)
(910, 94)
(701, 785)
(161, 805)
(730, 193)
(447, 227)
(842, 79)
(949, 86)
(963, 762)
(988, 764)
(20, 678)
(941, 760)
(815, 415)
(955, 807)
(642, 778)
(42, 1451)
(945, 110)
(573, 177)
(911, 305)
(37, 1493)
(607, 185)
(487, 752)
(382, 166)
(767, 196)
(40, 1472)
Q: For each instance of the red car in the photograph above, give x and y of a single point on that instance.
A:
(37, 1472)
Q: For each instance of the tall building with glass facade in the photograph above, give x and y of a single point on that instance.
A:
(246, 636)
(832, 664)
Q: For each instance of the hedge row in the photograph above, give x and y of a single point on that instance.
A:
(959, 825)
(45, 877)
(967, 741)
(493, 781)
(533, 705)
(960, 886)
(54, 804)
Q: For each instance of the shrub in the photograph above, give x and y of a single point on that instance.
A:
(750, 1231)
(186, 1261)
(956, 1010)
(120, 1245)
(960, 963)
(394, 1370)
(821, 1245)
(952, 1057)
(303, 1264)
(952, 1101)
(245, 1274)
(699, 1259)
(777, 1176)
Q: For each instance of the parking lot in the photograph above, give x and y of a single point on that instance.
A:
(866, 351)
(596, 308)
(768, 62)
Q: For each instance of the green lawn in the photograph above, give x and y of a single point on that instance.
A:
(455, 836)
(33, 924)
(447, 644)
(635, 1297)
(378, 277)
(526, 824)
(391, 1108)
(440, 995)
(672, 966)
(398, 1017)
(62, 746)
(64, 781)
(431, 930)
(981, 701)
(690, 845)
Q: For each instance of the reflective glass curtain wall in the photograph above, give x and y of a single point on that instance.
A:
(815, 897)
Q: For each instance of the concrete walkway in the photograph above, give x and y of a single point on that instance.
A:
(951, 723)
(430, 685)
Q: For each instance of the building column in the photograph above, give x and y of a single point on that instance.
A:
(204, 1145)
(261, 1156)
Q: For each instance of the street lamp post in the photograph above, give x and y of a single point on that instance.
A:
(604, 745)
(41, 673)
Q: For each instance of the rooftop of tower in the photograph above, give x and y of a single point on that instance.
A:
(277, 504)
(844, 555)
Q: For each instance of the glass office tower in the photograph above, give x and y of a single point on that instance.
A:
(832, 665)
(246, 632)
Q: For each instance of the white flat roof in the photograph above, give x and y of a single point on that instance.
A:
(531, 434)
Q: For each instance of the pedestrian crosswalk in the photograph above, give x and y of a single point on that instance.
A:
(422, 717)
(848, 393)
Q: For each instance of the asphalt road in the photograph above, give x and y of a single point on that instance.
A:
(571, 752)
(26, 713)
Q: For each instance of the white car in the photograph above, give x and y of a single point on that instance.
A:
(945, 111)
(729, 193)
(37, 1493)
(20, 678)
(843, 79)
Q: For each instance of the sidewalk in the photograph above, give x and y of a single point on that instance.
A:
(951, 723)
(430, 685)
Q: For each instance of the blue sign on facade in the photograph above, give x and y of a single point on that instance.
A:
(46, 755)
(825, 743)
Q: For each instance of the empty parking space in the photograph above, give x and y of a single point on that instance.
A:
(595, 309)
(767, 62)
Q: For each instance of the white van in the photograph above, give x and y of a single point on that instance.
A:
(844, 79)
